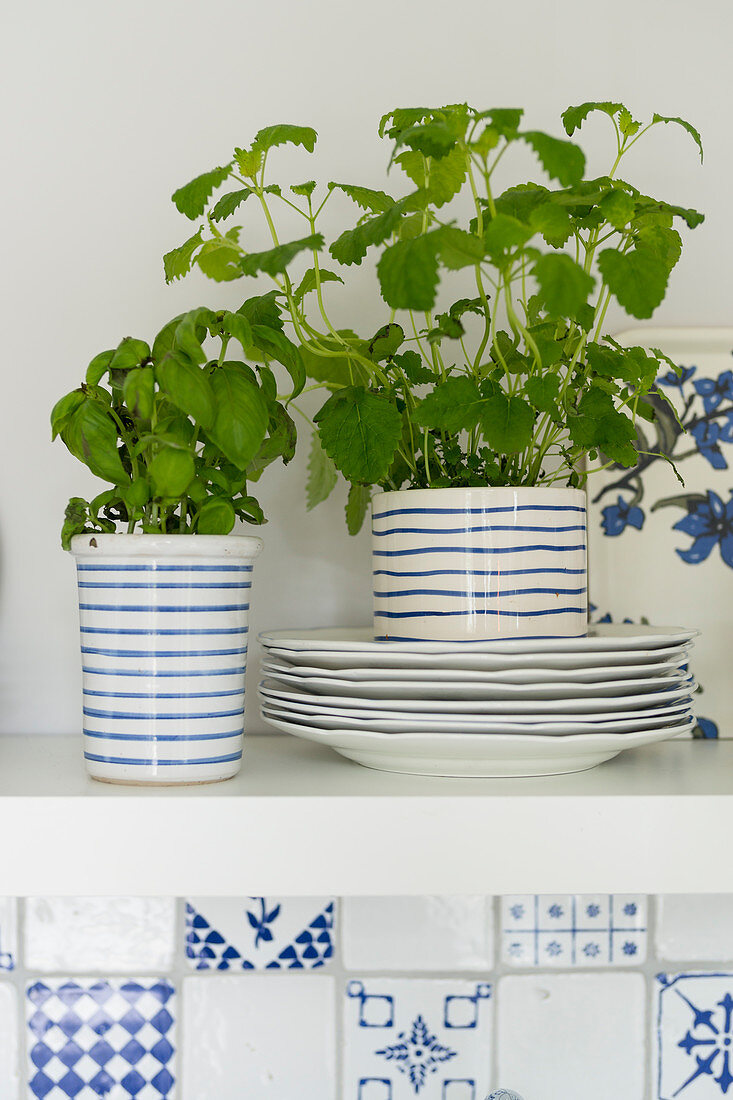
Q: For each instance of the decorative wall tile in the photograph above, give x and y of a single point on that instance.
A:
(572, 1036)
(425, 1038)
(695, 927)
(8, 934)
(95, 1038)
(573, 930)
(8, 1043)
(418, 933)
(249, 1036)
(259, 933)
(127, 935)
(694, 1036)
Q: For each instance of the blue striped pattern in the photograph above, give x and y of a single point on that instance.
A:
(486, 550)
(174, 691)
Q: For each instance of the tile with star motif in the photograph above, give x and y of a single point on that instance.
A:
(424, 1038)
(573, 930)
(694, 1036)
(101, 1037)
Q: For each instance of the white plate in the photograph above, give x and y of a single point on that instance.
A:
(602, 636)
(558, 726)
(638, 703)
(471, 660)
(460, 756)
(479, 689)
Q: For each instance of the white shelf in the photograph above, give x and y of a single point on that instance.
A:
(301, 820)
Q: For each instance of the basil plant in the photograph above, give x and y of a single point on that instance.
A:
(180, 428)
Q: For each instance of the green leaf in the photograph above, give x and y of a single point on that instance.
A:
(305, 190)
(129, 353)
(412, 366)
(438, 183)
(236, 325)
(277, 346)
(177, 262)
(285, 134)
(504, 352)
(279, 442)
(322, 474)
(543, 391)
(99, 367)
(507, 423)
(248, 162)
(191, 199)
(638, 279)
(216, 517)
(357, 504)
(617, 208)
(64, 409)
(503, 234)
(402, 118)
(562, 160)
(453, 406)
(188, 387)
(165, 341)
(360, 432)
(574, 117)
(337, 369)
(446, 326)
(432, 139)
(386, 341)
(551, 350)
(599, 424)
(351, 247)
(505, 120)
(263, 309)
(664, 243)
(138, 392)
(309, 283)
(249, 510)
(408, 273)
(553, 222)
(91, 436)
(171, 472)
(241, 417)
(685, 126)
(220, 259)
(457, 248)
(227, 204)
(275, 260)
(376, 202)
(191, 332)
(563, 285)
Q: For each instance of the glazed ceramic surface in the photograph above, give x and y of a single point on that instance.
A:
(519, 705)
(465, 755)
(164, 622)
(467, 564)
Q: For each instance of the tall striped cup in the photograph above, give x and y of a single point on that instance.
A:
(472, 564)
(164, 623)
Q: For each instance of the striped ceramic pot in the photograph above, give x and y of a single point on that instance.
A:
(164, 622)
(472, 564)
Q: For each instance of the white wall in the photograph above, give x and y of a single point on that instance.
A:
(108, 106)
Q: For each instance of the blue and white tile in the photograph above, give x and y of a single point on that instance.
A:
(553, 1043)
(694, 1035)
(573, 930)
(258, 933)
(421, 933)
(90, 1038)
(8, 934)
(695, 927)
(83, 934)
(249, 1036)
(8, 1042)
(423, 1038)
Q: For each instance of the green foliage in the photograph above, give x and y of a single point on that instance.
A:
(176, 431)
(491, 365)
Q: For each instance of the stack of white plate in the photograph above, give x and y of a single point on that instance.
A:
(536, 707)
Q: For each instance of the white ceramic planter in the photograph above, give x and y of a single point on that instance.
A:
(164, 622)
(471, 564)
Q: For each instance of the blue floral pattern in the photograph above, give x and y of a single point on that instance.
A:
(695, 1035)
(706, 421)
(417, 1053)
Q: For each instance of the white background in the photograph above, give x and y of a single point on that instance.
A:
(108, 106)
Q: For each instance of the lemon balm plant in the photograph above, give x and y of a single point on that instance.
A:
(492, 369)
(180, 429)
